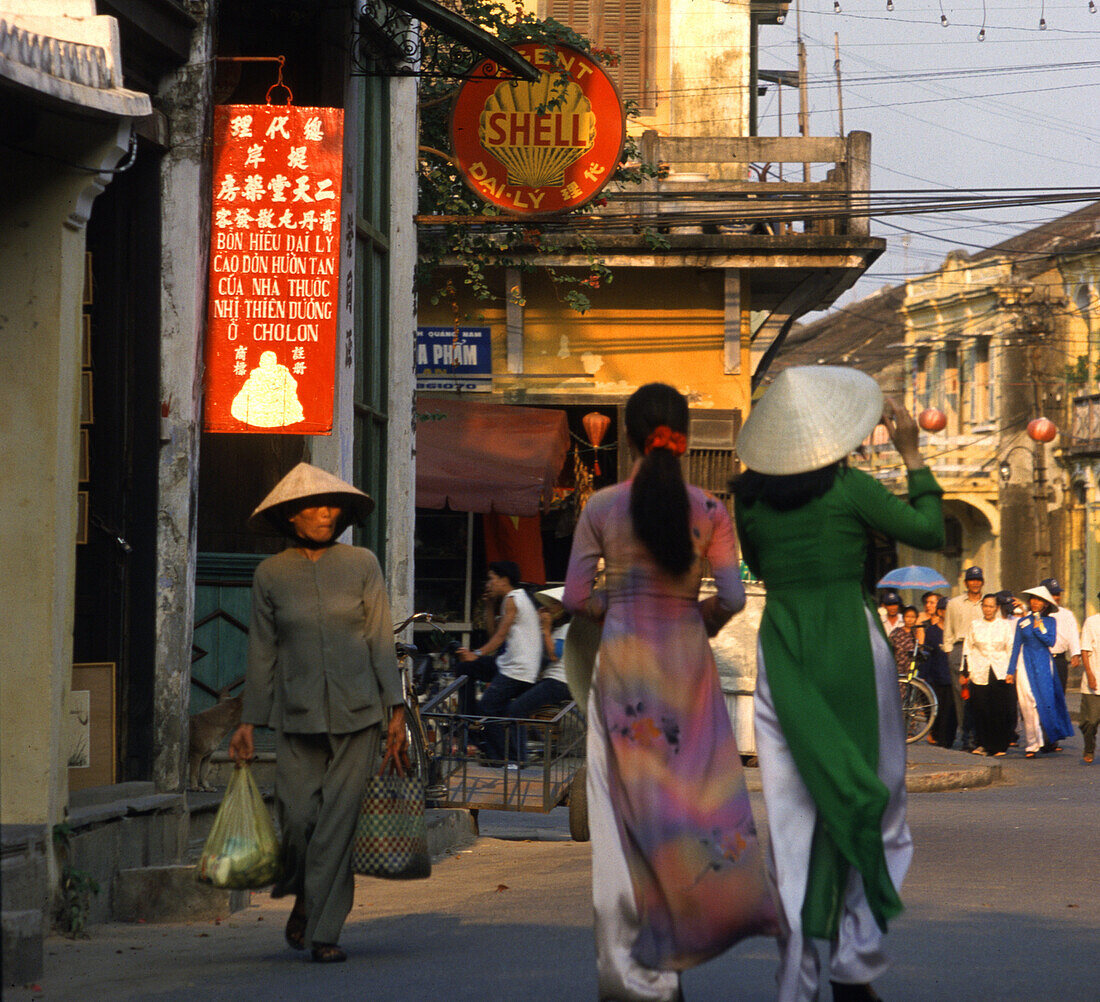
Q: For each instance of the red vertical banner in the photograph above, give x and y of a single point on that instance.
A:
(274, 267)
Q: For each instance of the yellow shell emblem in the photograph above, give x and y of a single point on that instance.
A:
(537, 129)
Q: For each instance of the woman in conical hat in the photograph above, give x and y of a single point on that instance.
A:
(829, 730)
(1042, 702)
(322, 672)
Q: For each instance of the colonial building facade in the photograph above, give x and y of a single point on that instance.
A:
(995, 340)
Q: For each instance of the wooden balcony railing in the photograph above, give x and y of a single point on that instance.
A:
(733, 203)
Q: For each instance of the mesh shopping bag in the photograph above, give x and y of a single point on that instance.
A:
(241, 851)
(391, 839)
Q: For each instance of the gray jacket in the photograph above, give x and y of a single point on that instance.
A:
(320, 646)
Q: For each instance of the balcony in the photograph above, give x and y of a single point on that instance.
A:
(705, 185)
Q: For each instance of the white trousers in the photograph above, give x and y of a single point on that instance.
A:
(857, 955)
(621, 978)
(1029, 711)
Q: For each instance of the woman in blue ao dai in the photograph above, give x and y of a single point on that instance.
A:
(1042, 702)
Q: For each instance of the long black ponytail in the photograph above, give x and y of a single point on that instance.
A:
(659, 510)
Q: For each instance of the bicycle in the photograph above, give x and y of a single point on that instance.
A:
(918, 704)
(417, 670)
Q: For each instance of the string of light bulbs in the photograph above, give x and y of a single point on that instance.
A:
(946, 23)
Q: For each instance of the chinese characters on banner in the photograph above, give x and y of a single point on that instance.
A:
(274, 264)
(544, 147)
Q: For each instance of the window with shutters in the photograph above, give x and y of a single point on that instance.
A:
(625, 27)
(710, 459)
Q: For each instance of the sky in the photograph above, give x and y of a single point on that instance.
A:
(1020, 109)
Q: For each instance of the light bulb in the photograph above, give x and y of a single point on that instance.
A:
(1092, 6)
(981, 35)
(1042, 24)
(836, 6)
(943, 20)
(889, 4)
(781, 18)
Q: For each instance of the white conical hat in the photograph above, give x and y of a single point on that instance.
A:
(306, 481)
(550, 597)
(811, 416)
(1039, 591)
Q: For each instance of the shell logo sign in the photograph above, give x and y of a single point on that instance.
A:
(543, 147)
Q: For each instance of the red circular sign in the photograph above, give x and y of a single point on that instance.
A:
(542, 147)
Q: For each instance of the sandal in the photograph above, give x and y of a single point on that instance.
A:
(328, 953)
(296, 930)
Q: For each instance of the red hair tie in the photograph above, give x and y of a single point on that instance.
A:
(663, 437)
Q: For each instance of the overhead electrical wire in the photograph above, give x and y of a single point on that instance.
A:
(791, 208)
(823, 81)
(1013, 114)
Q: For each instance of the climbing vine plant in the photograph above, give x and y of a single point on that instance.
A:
(515, 243)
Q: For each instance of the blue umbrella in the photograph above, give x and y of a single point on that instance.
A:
(913, 576)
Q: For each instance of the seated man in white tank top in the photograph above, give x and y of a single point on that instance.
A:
(513, 654)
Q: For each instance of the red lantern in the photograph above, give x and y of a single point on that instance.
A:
(595, 427)
(1042, 430)
(932, 419)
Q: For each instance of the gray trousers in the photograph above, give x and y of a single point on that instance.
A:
(963, 714)
(319, 782)
(1090, 719)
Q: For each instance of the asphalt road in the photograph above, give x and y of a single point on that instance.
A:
(1003, 905)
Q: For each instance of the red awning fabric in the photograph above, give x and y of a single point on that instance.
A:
(488, 457)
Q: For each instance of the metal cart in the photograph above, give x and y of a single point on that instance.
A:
(553, 770)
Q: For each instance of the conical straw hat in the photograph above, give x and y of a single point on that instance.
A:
(550, 597)
(1040, 592)
(811, 416)
(306, 481)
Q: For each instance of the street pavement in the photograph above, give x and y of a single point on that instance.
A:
(1003, 905)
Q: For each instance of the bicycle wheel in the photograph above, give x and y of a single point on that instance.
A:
(919, 706)
(418, 755)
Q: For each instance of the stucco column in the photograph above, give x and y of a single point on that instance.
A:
(44, 207)
(185, 227)
(401, 451)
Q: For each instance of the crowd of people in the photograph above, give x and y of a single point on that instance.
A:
(999, 668)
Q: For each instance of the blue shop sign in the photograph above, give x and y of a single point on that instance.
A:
(447, 359)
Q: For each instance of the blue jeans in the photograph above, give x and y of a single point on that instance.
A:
(545, 692)
(494, 702)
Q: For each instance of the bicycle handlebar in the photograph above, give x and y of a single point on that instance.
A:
(419, 617)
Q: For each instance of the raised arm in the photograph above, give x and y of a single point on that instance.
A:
(917, 522)
(1043, 628)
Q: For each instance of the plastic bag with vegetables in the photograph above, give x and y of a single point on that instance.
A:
(241, 851)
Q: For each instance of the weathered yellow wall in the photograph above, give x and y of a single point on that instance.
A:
(647, 325)
(41, 280)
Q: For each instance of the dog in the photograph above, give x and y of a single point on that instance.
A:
(208, 728)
